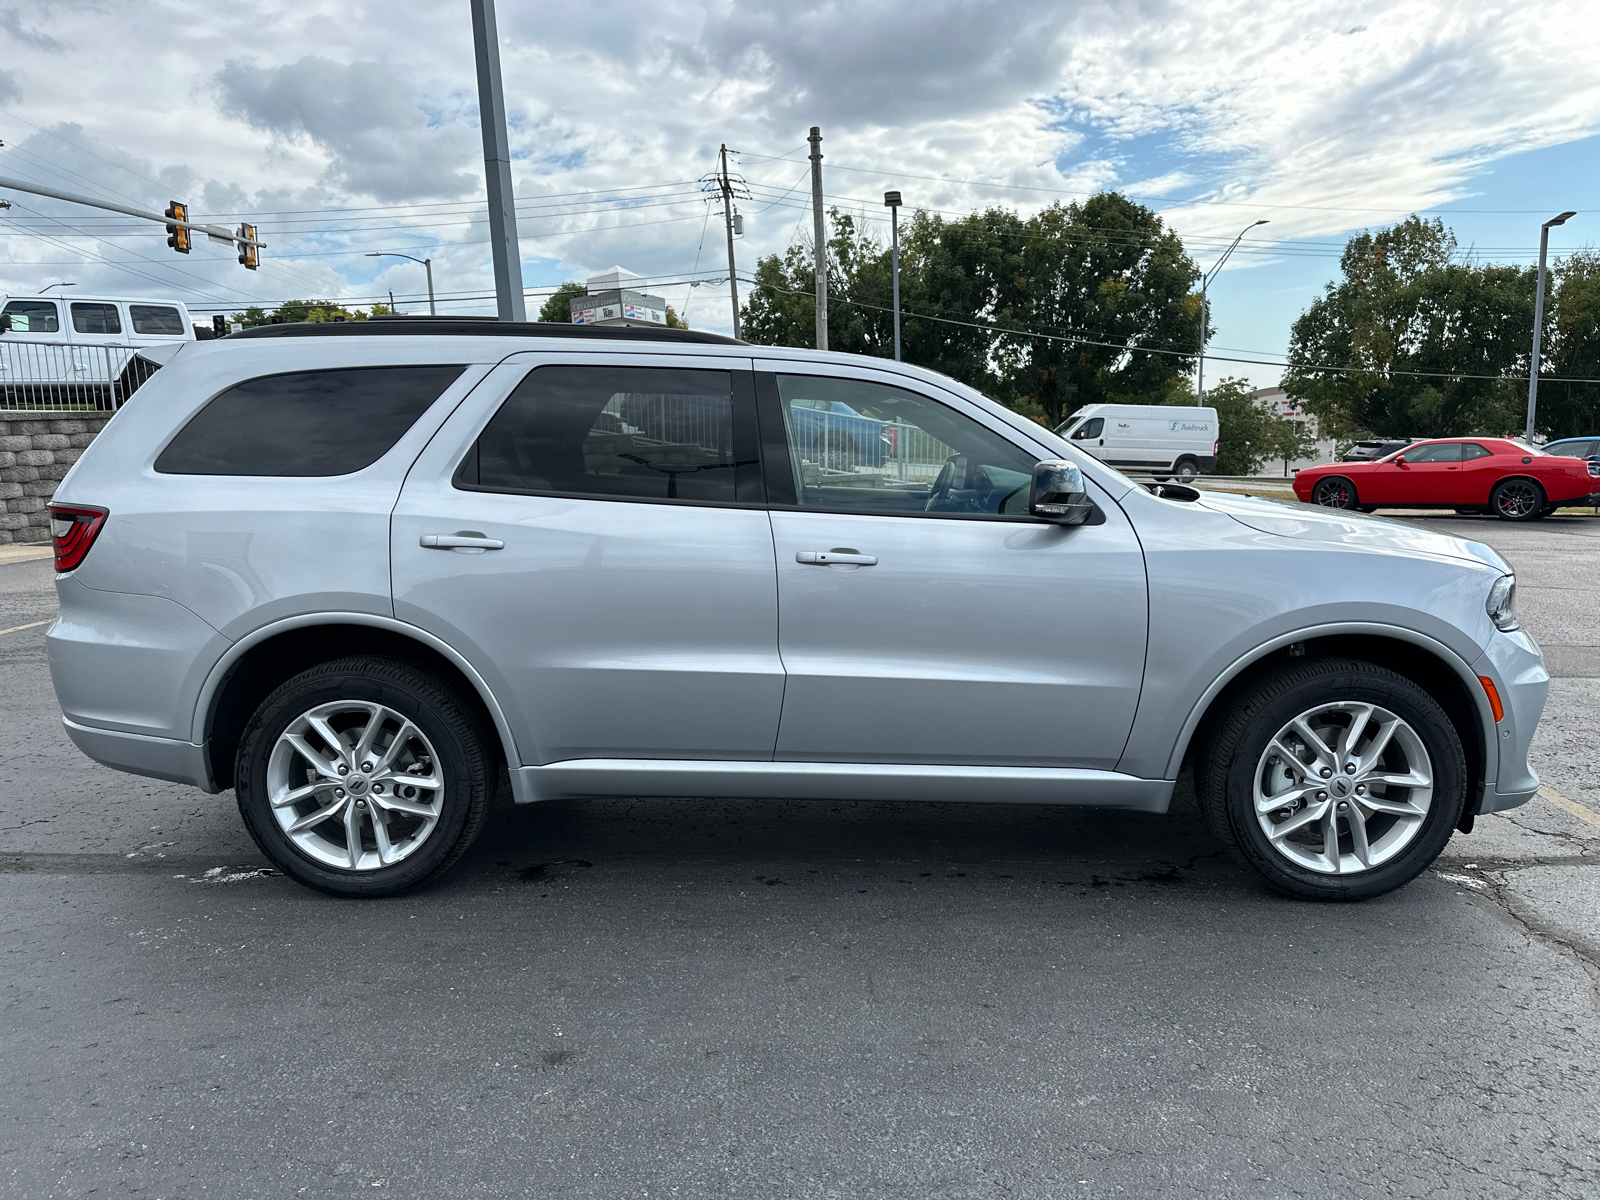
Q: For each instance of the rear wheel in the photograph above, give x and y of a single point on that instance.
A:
(1335, 779)
(364, 776)
(1334, 492)
(1517, 500)
(1185, 469)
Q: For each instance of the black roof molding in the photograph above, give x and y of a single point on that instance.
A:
(477, 327)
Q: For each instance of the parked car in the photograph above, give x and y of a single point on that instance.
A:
(1583, 447)
(353, 572)
(83, 351)
(1498, 475)
(1166, 440)
(1373, 448)
(836, 436)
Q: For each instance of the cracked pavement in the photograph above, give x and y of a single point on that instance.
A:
(712, 998)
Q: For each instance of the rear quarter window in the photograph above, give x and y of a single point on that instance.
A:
(305, 423)
(92, 317)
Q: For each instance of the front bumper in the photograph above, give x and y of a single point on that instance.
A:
(1514, 663)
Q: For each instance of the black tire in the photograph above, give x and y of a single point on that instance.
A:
(1185, 469)
(1469, 512)
(465, 764)
(1335, 491)
(1518, 499)
(1236, 744)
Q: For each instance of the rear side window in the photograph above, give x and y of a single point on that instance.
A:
(33, 316)
(155, 318)
(96, 318)
(305, 423)
(1471, 450)
(644, 433)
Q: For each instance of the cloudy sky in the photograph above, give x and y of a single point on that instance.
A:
(350, 127)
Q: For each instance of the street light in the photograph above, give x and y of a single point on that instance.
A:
(1205, 282)
(48, 286)
(1538, 320)
(891, 201)
(427, 265)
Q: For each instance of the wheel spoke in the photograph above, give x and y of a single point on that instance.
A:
(380, 834)
(1358, 726)
(415, 808)
(422, 781)
(1380, 742)
(1267, 804)
(1379, 804)
(1330, 836)
(1356, 820)
(1313, 741)
(363, 747)
(1411, 779)
(1288, 753)
(352, 834)
(319, 764)
(326, 733)
(1309, 815)
(295, 795)
(318, 817)
(406, 733)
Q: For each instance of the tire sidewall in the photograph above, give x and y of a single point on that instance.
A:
(394, 690)
(1399, 696)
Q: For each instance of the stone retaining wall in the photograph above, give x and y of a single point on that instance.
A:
(35, 451)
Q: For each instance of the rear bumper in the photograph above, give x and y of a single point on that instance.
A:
(140, 754)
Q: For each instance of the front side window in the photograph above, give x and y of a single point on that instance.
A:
(306, 423)
(639, 433)
(872, 447)
(156, 319)
(1434, 452)
(1092, 428)
(88, 317)
(33, 316)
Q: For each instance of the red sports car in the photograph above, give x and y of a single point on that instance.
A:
(1468, 474)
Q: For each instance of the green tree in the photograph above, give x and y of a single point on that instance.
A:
(1572, 348)
(781, 309)
(1431, 346)
(558, 308)
(1248, 433)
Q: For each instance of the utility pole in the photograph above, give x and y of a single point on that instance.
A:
(1538, 320)
(727, 220)
(820, 237)
(891, 201)
(497, 165)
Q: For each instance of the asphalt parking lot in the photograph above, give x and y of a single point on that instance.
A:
(713, 998)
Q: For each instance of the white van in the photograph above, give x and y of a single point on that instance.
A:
(1158, 439)
(82, 351)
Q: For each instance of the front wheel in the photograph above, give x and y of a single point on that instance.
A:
(1334, 492)
(1517, 500)
(1335, 779)
(364, 776)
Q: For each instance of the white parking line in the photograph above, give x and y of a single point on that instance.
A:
(1582, 812)
(36, 624)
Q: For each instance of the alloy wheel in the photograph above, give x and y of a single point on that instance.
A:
(1334, 493)
(1517, 499)
(355, 785)
(1343, 787)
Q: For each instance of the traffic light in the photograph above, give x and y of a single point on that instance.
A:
(178, 235)
(219, 325)
(248, 255)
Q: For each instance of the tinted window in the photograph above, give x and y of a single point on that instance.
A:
(33, 316)
(1091, 429)
(96, 318)
(1434, 452)
(643, 433)
(305, 423)
(877, 448)
(1472, 450)
(155, 318)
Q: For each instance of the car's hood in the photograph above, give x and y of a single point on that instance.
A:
(1316, 524)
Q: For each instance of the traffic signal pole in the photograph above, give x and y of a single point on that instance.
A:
(217, 233)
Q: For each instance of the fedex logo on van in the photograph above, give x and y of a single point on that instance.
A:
(1188, 426)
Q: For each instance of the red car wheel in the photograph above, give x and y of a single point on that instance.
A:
(1517, 500)
(1334, 492)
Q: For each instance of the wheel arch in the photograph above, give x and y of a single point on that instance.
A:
(1429, 664)
(262, 660)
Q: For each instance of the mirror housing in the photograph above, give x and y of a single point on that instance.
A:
(1058, 494)
(5, 323)
(1400, 461)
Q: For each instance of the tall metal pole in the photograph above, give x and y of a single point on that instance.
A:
(1538, 321)
(727, 220)
(1205, 283)
(427, 265)
(820, 236)
(892, 201)
(497, 166)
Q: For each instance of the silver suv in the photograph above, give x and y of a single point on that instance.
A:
(355, 571)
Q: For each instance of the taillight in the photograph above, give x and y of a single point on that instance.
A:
(1215, 442)
(73, 528)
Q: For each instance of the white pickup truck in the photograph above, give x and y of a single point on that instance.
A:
(82, 352)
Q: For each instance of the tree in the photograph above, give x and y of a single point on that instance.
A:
(1430, 346)
(1249, 434)
(1572, 341)
(558, 308)
(781, 309)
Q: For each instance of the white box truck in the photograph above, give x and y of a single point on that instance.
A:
(1155, 439)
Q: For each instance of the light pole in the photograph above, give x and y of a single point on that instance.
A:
(1205, 282)
(427, 265)
(509, 301)
(48, 286)
(891, 201)
(1538, 320)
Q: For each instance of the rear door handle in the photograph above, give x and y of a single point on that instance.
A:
(463, 539)
(838, 556)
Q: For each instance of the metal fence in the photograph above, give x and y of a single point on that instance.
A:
(856, 446)
(38, 376)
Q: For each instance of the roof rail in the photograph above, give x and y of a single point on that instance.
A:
(454, 326)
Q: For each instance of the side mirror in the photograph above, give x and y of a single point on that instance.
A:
(1401, 461)
(5, 323)
(1058, 493)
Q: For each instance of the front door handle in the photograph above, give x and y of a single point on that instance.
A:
(461, 539)
(843, 556)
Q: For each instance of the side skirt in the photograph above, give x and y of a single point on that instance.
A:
(576, 778)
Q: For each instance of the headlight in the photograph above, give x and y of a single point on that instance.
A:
(1502, 603)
